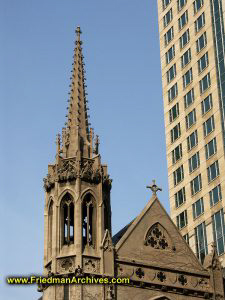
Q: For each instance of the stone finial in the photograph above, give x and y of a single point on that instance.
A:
(215, 259)
(79, 271)
(58, 143)
(213, 245)
(78, 32)
(91, 141)
(153, 187)
(96, 150)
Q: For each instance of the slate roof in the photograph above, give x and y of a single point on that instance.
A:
(119, 234)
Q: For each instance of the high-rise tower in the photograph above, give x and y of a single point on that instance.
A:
(77, 202)
(192, 48)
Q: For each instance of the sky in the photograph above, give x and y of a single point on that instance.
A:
(122, 58)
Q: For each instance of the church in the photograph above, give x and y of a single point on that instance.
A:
(78, 240)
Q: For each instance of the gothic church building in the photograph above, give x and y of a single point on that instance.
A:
(77, 215)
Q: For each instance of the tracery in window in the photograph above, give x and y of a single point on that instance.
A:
(158, 238)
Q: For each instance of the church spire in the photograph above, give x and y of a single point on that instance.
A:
(76, 135)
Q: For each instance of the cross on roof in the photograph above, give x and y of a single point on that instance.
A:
(154, 187)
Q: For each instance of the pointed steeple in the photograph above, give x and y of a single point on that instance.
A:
(76, 135)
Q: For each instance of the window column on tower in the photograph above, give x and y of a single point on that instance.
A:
(88, 221)
(67, 220)
(50, 221)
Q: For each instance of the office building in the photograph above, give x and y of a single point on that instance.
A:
(192, 44)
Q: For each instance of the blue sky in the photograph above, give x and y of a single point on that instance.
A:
(121, 50)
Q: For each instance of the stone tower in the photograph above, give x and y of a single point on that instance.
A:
(77, 201)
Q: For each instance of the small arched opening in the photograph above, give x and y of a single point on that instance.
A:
(67, 219)
(50, 223)
(88, 221)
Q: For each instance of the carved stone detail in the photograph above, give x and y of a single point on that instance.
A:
(203, 283)
(70, 169)
(48, 182)
(107, 246)
(66, 265)
(140, 273)
(91, 265)
(125, 271)
(67, 171)
(182, 279)
(161, 276)
(219, 297)
(120, 271)
(107, 182)
(79, 272)
(89, 173)
(157, 237)
(49, 268)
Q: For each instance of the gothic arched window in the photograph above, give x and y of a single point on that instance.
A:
(88, 221)
(50, 217)
(67, 220)
(158, 238)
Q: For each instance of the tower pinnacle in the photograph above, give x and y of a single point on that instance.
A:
(76, 135)
(78, 32)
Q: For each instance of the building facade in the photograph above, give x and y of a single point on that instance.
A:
(192, 49)
(149, 251)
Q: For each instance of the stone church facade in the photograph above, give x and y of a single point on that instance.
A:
(77, 215)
